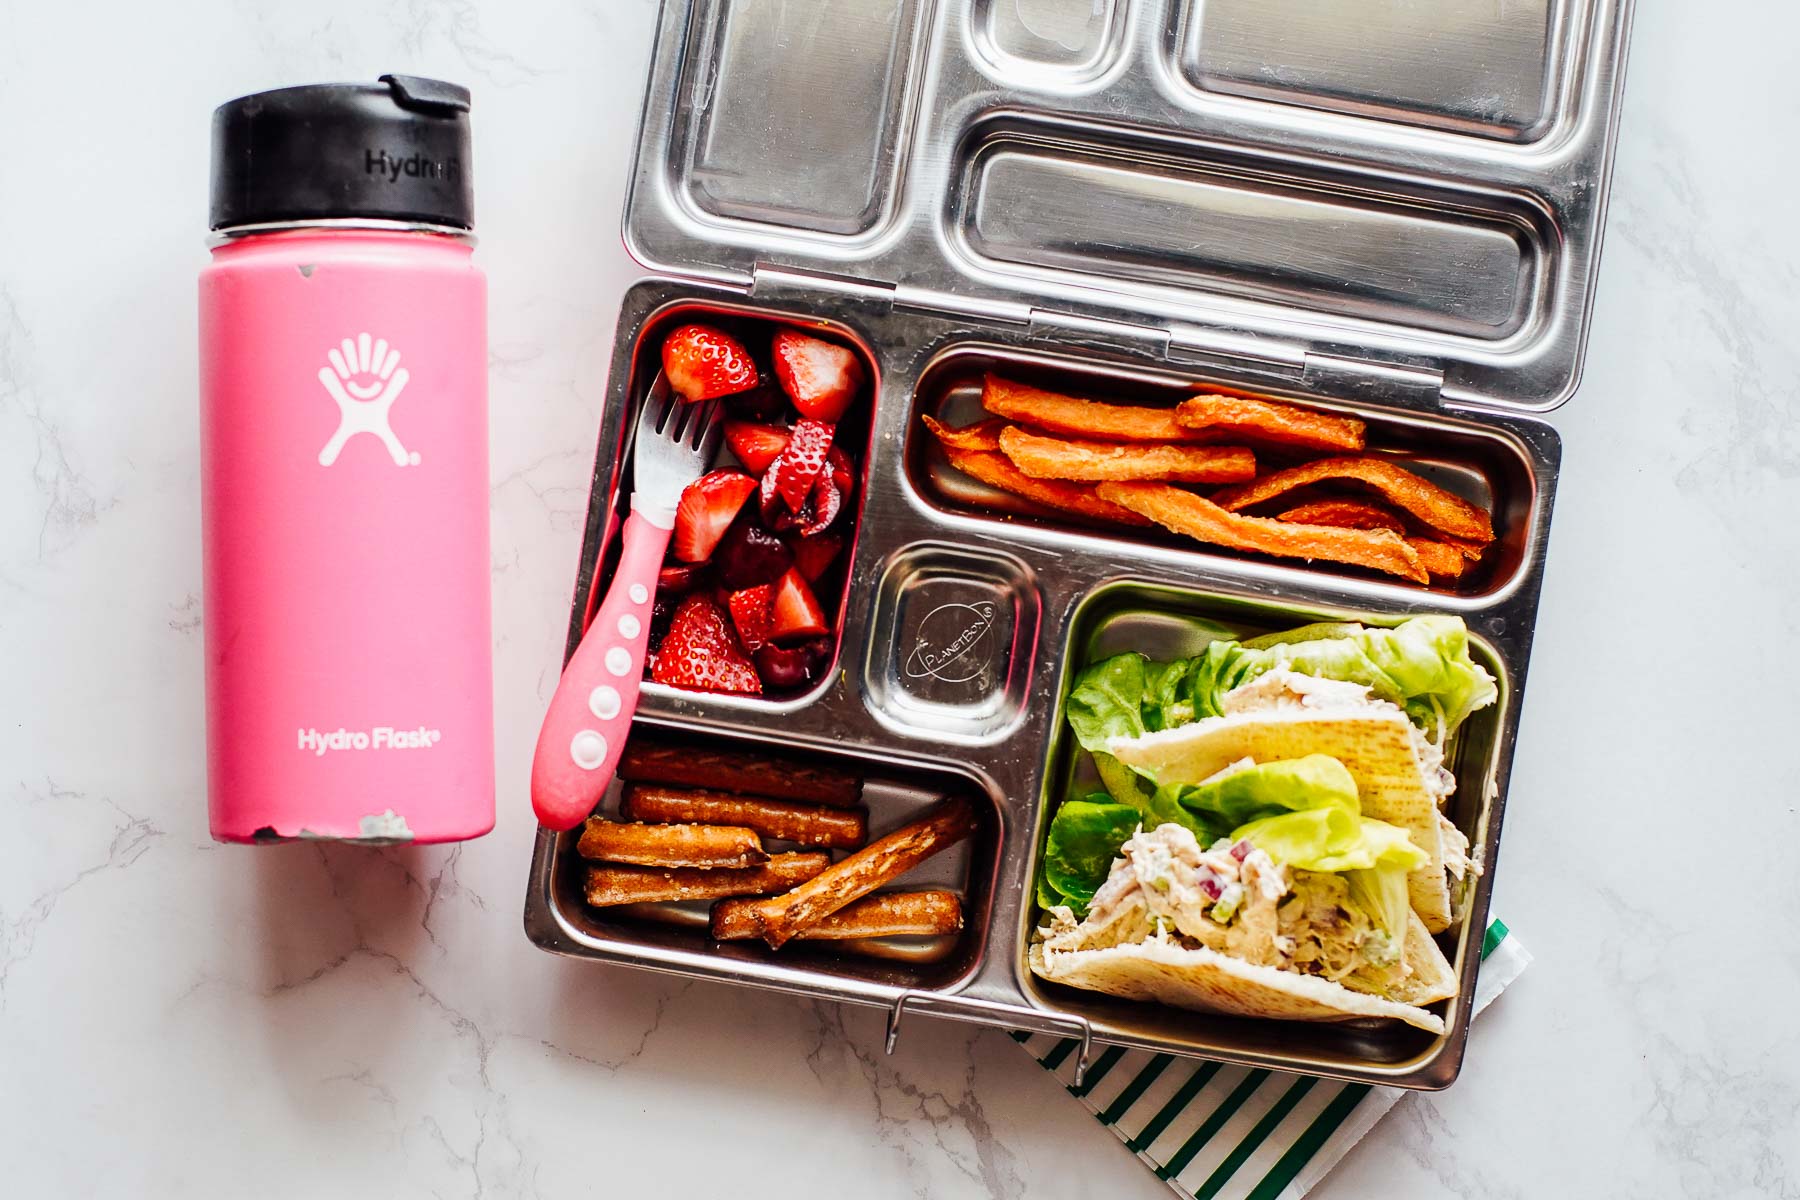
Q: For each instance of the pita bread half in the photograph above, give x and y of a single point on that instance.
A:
(1203, 979)
(1375, 745)
(1429, 977)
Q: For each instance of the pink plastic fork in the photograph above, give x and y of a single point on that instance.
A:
(584, 732)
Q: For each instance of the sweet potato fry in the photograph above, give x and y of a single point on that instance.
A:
(962, 448)
(1044, 457)
(1345, 514)
(671, 845)
(1441, 559)
(1469, 550)
(808, 824)
(1269, 420)
(1201, 519)
(732, 771)
(886, 914)
(983, 437)
(1431, 504)
(613, 885)
(779, 919)
(1084, 418)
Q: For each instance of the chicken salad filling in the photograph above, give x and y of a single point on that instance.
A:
(1235, 899)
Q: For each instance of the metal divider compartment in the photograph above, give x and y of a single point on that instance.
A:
(676, 934)
(1491, 467)
(756, 145)
(1330, 240)
(754, 325)
(1165, 622)
(1465, 66)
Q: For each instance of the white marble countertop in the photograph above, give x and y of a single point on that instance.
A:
(180, 1018)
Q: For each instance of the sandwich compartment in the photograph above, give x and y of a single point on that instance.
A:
(1164, 623)
(1401, 223)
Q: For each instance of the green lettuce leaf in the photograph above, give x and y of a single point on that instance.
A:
(1084, 838)
(1316, 632)
(1373, 856)
(1122, 783)
(1422, 665)
(1107, 701)
(1317, 782)
(1381, 892)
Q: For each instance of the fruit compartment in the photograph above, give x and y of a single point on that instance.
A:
(754, 327)
(675, 935)
(1164, 622)
(1489, 465)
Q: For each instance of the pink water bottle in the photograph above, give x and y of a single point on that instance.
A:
(343, 396)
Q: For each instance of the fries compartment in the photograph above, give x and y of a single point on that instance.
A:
(1166, 622)
(675, 935)
(1048, 41)
(1468, 66)
(611, 501)
(953, 634)
(754, 143)
(1484, 464)
(1181, 218)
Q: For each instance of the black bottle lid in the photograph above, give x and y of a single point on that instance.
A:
(397, 150)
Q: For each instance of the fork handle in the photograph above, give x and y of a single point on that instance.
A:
(584, 732)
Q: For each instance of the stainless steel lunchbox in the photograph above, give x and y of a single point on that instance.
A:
(1374, 206)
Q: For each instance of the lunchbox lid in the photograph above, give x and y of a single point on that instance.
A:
(1397, 201)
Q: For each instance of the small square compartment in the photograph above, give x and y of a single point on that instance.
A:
(1166, 622)
(1048, 41)
(953, 635)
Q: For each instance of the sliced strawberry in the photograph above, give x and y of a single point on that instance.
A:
(756, 446)
(704, 363)
(822, 507)
(700, 652)
(775, 514)
(814, 555)
(794, 613)
(822, 378)
(842, 473)
(750, 613)
(796, 467)
(705, 512)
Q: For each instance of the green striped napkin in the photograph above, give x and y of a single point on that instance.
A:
(1214, 1132)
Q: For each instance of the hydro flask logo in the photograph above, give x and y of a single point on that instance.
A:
(365, 378)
